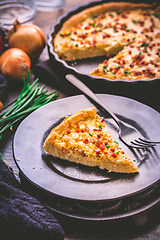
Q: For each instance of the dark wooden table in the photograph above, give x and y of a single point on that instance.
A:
(75, 229)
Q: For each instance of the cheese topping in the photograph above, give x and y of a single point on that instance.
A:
(83, 138)
(108, 33)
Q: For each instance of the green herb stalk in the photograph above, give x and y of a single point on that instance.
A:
(31, 98)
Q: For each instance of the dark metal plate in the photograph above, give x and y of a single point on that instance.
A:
(78, 182)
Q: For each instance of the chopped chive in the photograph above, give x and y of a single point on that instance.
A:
(111, 14)
(100, 127)
(62, 35)
(76, 45)
(118, 12)
(144, 44)
(117, 152)
(140, 53)
(90, 134)
(127, 72)
(116, 142)
(31, 98)
(105, 70)
(134, 21)
(108, 146)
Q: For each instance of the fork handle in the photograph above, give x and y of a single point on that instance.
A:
(83, 88)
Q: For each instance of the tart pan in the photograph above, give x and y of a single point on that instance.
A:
(146, 91)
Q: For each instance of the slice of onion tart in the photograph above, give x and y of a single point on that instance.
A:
(82, 138)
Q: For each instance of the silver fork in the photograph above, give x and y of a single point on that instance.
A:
(127, 133)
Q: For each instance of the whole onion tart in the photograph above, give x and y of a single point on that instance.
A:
(114, 43)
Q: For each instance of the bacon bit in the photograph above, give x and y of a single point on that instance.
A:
(99, 135)
(112, 149)
(131, 65)
(82, 130)
(105, 35)
(102, 147)
(106, 143)
(134, 31)
(87, 129)
(77, 126)
(137, 58)
(152, 62)
(102, 120)
(86, 140)
(77, 130)
(97, 129)
(97, 151)
(148, 72)
(64, 150)
(129, 51)
(123, 26)
(75, 32)
(132, 46)
(114, 155)
(137, 73)
(105, 152)
(68, 131)
(123, 152)
(106, 62)
(97, 144)
(83, 35)
(94, 31)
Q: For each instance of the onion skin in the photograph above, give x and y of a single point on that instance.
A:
(30, 38)
(15, 64)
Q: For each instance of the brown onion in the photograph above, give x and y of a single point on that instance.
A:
(30, 38)
(15, 64)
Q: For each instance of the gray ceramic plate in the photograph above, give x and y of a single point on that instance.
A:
(73, 181)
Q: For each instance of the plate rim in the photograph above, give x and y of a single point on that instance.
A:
(40, 187)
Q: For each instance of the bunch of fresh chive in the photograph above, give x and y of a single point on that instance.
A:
(31, 98)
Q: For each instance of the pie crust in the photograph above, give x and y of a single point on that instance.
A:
(82, 138)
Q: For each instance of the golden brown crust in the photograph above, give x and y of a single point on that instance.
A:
(111, 6)
(79, 139)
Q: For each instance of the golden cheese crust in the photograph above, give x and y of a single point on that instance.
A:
(82, 138)
(107, 29)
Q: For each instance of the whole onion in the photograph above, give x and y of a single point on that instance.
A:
(15, 64)
(30, 38)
